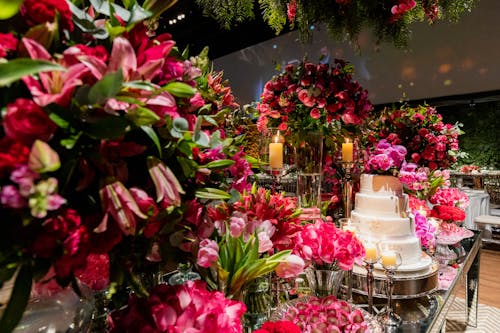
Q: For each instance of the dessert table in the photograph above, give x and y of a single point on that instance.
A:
(428, 314)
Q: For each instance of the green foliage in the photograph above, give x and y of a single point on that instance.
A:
(227, 13)
(481, 138)
(344, 21)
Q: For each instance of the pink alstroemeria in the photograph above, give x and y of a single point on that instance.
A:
(52, 87)
(168, 188)
(120, 204)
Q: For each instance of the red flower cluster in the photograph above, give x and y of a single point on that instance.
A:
(183, 308)
(448, 213)
(313, 96)
(7, 43)
(428, 140)
(280, 326)
(38, 12)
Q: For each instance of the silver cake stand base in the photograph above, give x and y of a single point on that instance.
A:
(407, 285)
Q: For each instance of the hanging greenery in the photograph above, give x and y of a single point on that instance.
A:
(389, 20)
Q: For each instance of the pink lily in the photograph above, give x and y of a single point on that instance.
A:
(168, 188)
(52, 87)
(118, 202)
(123, 57)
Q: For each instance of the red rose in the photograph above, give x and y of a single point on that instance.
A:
(12, 153)
(26, 122)
(42, 11)
(448, 213)
(7, 43)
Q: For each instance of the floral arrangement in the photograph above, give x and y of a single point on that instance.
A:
(254, 236)
(326, 315)
(424, 230)
(385, 158)
(110, 135)
(423, 182)
(469, 169)
(309, 97)
(450, 197)
(180, 308)
(344, 19)
(429, 142)
(280, 326)
(323, 244)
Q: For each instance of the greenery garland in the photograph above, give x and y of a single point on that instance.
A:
(389, 20)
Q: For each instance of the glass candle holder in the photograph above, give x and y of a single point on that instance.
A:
(390, 261)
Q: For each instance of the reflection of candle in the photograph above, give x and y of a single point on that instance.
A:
(389, 259)
(276, 153)
(347, 154)
(371, 252)
(350, 228)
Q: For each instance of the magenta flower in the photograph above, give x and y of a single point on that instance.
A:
(56, 86)
(11, 198)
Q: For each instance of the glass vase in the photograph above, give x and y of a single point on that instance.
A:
(324, 282)
(257, 299)
(308, 161)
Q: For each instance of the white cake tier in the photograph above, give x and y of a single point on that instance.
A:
(383, 227)
(408, 247)
(381, 205)
(381, 185)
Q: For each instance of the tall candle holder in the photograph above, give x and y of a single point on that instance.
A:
(390, 261)
(274, 156)
(372, 256)
(347, 225)
(347, 168)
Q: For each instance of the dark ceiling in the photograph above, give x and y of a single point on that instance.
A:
(198, 31)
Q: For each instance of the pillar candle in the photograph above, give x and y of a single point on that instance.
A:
(276, 153)
(389, 259)
(347, 151)
(371, 252)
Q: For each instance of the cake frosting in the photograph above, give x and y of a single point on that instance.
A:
(381, 209)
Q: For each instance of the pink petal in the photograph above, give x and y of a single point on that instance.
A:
(123, 57)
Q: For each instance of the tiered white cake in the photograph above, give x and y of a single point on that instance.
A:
(381, 209)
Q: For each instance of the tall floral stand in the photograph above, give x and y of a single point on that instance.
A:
(308, 160)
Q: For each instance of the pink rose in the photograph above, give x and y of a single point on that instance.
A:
(208, 253)
(26, 122)
(315, 113)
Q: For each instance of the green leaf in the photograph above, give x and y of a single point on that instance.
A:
(108, 128)
(61, 122)
(16, 69)
(142, 116)
(142, 85)
(70, 141)
(9, 8)
(179, 89)
(218, 164)
(139, 14)
(154, 137)
(212, 193)
(103, 7)
(18, 300)
(107, 87)
(179, 126)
